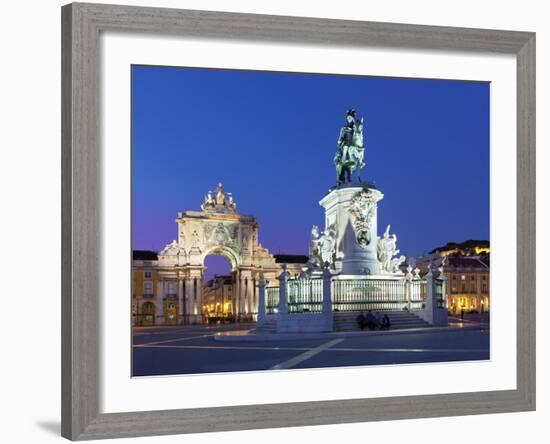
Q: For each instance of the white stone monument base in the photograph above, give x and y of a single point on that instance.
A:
(343, 215)
(305, 323)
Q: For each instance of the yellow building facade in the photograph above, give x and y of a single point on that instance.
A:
(218, 299)
(144, 288)
(155, 300)
(468, 284)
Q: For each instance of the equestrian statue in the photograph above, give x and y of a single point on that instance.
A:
(351, 150)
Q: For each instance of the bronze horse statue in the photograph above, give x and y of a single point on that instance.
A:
(351, 151)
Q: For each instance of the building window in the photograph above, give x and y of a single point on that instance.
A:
(147, 274)
(171, 288)
(147, 288)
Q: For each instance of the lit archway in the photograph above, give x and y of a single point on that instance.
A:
(218, 287)
(216, 230)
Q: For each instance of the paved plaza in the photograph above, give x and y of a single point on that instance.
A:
(193, 349)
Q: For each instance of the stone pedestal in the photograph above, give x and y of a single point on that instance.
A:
(435, 313)
(351, 210)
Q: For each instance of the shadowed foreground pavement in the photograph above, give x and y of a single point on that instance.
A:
(192, 349)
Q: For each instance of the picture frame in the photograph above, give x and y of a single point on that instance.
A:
(81, 206)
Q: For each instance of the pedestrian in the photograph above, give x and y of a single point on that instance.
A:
(361, 321)
(386, 321)
(378, 320)
(370, 320)
(462, 314)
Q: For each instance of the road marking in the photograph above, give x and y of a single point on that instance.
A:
(335, 349)
(411, 350)
(165, 331)
(226, 347)
(308, 354)
(174, 340)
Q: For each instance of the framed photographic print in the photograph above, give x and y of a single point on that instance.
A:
(292, 221)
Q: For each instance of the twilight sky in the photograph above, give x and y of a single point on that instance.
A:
(270, 138)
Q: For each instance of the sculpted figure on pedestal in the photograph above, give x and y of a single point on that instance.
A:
(328, 245)
(322, 246)
(314, 246)
(351, 150)
(386, 250)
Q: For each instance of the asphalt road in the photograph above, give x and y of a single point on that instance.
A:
(192, 349)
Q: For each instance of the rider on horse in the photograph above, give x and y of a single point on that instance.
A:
(350, 154)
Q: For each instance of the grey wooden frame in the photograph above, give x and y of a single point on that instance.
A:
(81, 252)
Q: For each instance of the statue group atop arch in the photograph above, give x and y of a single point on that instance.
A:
(220, 202)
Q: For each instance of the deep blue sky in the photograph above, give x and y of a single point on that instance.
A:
(270, 138)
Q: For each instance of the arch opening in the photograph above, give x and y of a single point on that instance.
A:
(218, 303)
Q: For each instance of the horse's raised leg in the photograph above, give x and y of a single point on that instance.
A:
(348, 174)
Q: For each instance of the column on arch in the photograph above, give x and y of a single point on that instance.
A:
(249, 295)
(195, 295)
(255, 293)
(246, 291)
(198, 299)
(159, 301)
(188, 300)
(237, 293)
(181, 298)
(241, 294)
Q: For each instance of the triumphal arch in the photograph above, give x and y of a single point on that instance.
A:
(217, 229)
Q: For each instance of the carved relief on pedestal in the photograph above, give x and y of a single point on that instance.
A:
(362, 210)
